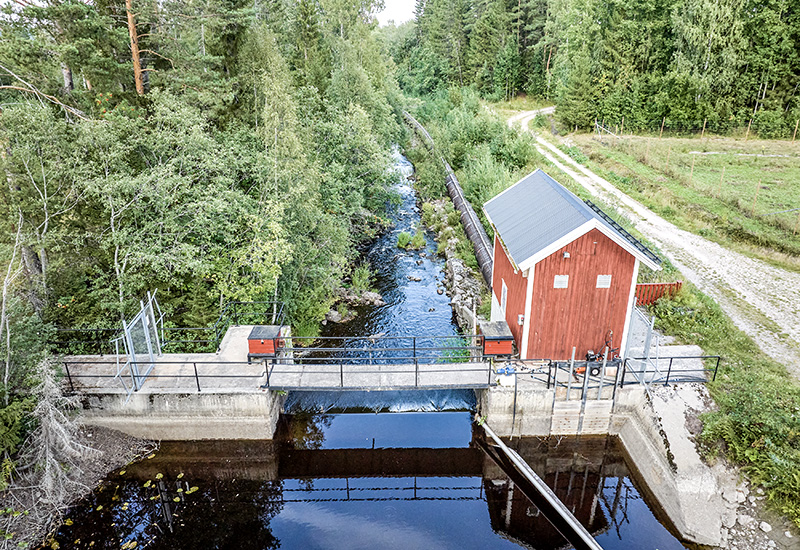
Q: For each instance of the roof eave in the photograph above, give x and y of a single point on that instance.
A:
(581, 230)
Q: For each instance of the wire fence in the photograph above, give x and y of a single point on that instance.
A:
(755, 126)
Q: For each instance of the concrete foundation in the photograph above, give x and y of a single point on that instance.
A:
(186, 416)
(655, 438)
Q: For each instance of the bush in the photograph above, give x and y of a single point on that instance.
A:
(360, 277)
(418, 241)
(403, 239)
(769, 124)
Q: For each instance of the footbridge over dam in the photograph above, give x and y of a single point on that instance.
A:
(237, 391)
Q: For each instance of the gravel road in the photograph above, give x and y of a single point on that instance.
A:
(762, 300)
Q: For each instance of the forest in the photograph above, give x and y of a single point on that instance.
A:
(214, 151)
(675, 63)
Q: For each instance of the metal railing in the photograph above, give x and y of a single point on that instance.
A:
(588, 379)
(254, 373)
(174, 339)
(385, 350)
(233, 313)
(675, 372)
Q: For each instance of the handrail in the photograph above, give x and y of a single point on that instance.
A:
(230, 311)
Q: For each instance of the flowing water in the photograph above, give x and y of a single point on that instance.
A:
(367, 470)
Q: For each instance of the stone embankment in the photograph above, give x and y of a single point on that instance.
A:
(463, 285)
(354, 299)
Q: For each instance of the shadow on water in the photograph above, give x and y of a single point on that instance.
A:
(409, 479)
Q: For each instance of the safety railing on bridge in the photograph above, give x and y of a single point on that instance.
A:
(168, 376)
(381, 362)
(599, 379)
(670, 370)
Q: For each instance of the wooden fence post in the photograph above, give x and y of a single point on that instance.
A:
(794, 135)
(721, 177)
(661, 133)
(704, 128)
(755, 197)
(622, 126)
(748, 129)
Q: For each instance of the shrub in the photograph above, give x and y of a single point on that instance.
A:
(418, 241)
(403, 239)
(360, 277)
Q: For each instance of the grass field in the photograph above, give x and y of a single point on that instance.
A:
(739, 193)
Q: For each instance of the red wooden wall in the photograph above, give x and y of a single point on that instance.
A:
(580, 315)
(517, 286)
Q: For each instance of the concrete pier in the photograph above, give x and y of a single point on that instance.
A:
(688, 491)
(186, 416)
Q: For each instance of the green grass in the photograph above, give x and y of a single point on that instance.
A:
(723, 207)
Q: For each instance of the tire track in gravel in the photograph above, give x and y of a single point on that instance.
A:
(761, 299)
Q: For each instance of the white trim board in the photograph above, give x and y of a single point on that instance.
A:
(581, 230)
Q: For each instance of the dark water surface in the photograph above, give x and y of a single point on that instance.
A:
(340, 476)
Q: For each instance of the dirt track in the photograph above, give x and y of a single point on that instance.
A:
(762, 300)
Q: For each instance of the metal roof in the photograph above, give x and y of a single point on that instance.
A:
(537, 211)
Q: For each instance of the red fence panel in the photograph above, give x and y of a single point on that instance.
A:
(648, 293)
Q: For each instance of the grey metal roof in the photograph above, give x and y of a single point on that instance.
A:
(537, 211)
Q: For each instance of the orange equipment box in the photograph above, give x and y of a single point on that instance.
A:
(263, 340)
(497, 338)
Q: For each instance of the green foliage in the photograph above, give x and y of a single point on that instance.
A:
(360, 277)
(252, 166)
(409, 242)
(418, 240)
(14, 426)
(757, 420)
(403, 239)
(661, 62)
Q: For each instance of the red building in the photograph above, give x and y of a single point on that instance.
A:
(564, 273)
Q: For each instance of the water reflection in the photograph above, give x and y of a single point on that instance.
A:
(331, 481)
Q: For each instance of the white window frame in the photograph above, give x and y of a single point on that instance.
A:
(603, 282)
(503, 297)
(561, 281)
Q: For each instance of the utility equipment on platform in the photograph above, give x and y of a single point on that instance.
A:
(497, 338)
(264, 341)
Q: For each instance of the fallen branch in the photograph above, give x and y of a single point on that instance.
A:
(41, 96)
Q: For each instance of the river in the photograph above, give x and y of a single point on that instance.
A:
(368, 469)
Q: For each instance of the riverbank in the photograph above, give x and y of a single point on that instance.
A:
(468, 294)
(28, 519)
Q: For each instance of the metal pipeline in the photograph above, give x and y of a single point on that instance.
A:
(469, 219)
(570, 528)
